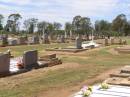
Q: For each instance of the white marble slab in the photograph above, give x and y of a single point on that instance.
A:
(13, 64)
(113, 91)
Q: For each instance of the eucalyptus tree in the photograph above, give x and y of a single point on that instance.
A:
(97, 27)
(13, 22)
(81, 25)
(119, 23)
(57, 27)
(85, 26)
(1, 21)
(127, 28)
(103, 28)
(50, 28)
(26, 26)
(42, 26)
(68, 28)
(76, 24)
(30, 25)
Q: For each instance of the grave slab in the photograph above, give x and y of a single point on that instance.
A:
(113, 91)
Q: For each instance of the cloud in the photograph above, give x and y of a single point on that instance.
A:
(65, 10)
(19, 2)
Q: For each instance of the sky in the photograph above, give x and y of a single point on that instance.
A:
(64, 10)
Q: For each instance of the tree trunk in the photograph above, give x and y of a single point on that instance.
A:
(65, 34)
(71, 34)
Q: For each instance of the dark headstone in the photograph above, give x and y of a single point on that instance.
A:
(46, 39)
(30, 59)
(4, 40)
(35, 39)
(4, 63)
(78, 42)
(12, 42)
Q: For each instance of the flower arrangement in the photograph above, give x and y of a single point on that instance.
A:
(20, 63)
(86, 91)
(104, 86)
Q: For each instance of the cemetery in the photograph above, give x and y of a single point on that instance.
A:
(79, 47)
(21, 56)
(64, 48)
(22, 60)
(28, 61)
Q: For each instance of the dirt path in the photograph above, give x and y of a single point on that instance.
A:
(67, 91)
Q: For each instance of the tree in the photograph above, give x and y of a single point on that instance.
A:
(50, 28)
(97, 27)
(30, 25)
(85, 26)
(1, 21)
(13, 22)
(26, 25)
(103, 28)
(76, 23)
(41, 27)
(81, 25)
(119, 23)
(68, 28)
(57, 26)
(127, 28)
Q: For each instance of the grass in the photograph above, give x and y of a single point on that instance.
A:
(18, 50)
(90, 63)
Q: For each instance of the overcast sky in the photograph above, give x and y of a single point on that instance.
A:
(64, 10)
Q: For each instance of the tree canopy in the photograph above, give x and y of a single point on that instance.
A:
(120, 25)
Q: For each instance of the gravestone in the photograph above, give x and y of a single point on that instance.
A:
(35, 39)
(117, 41)
(124, 42)
(46, 39)
(62, 39)
(12, 42)
(22, 40)
(112, 41)
(4, 63)
(4, 40)
(30, 40)
(58, 39)
(50, 60)
(106, 42)
(30, 59)
(78, 42)
(120, 41)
